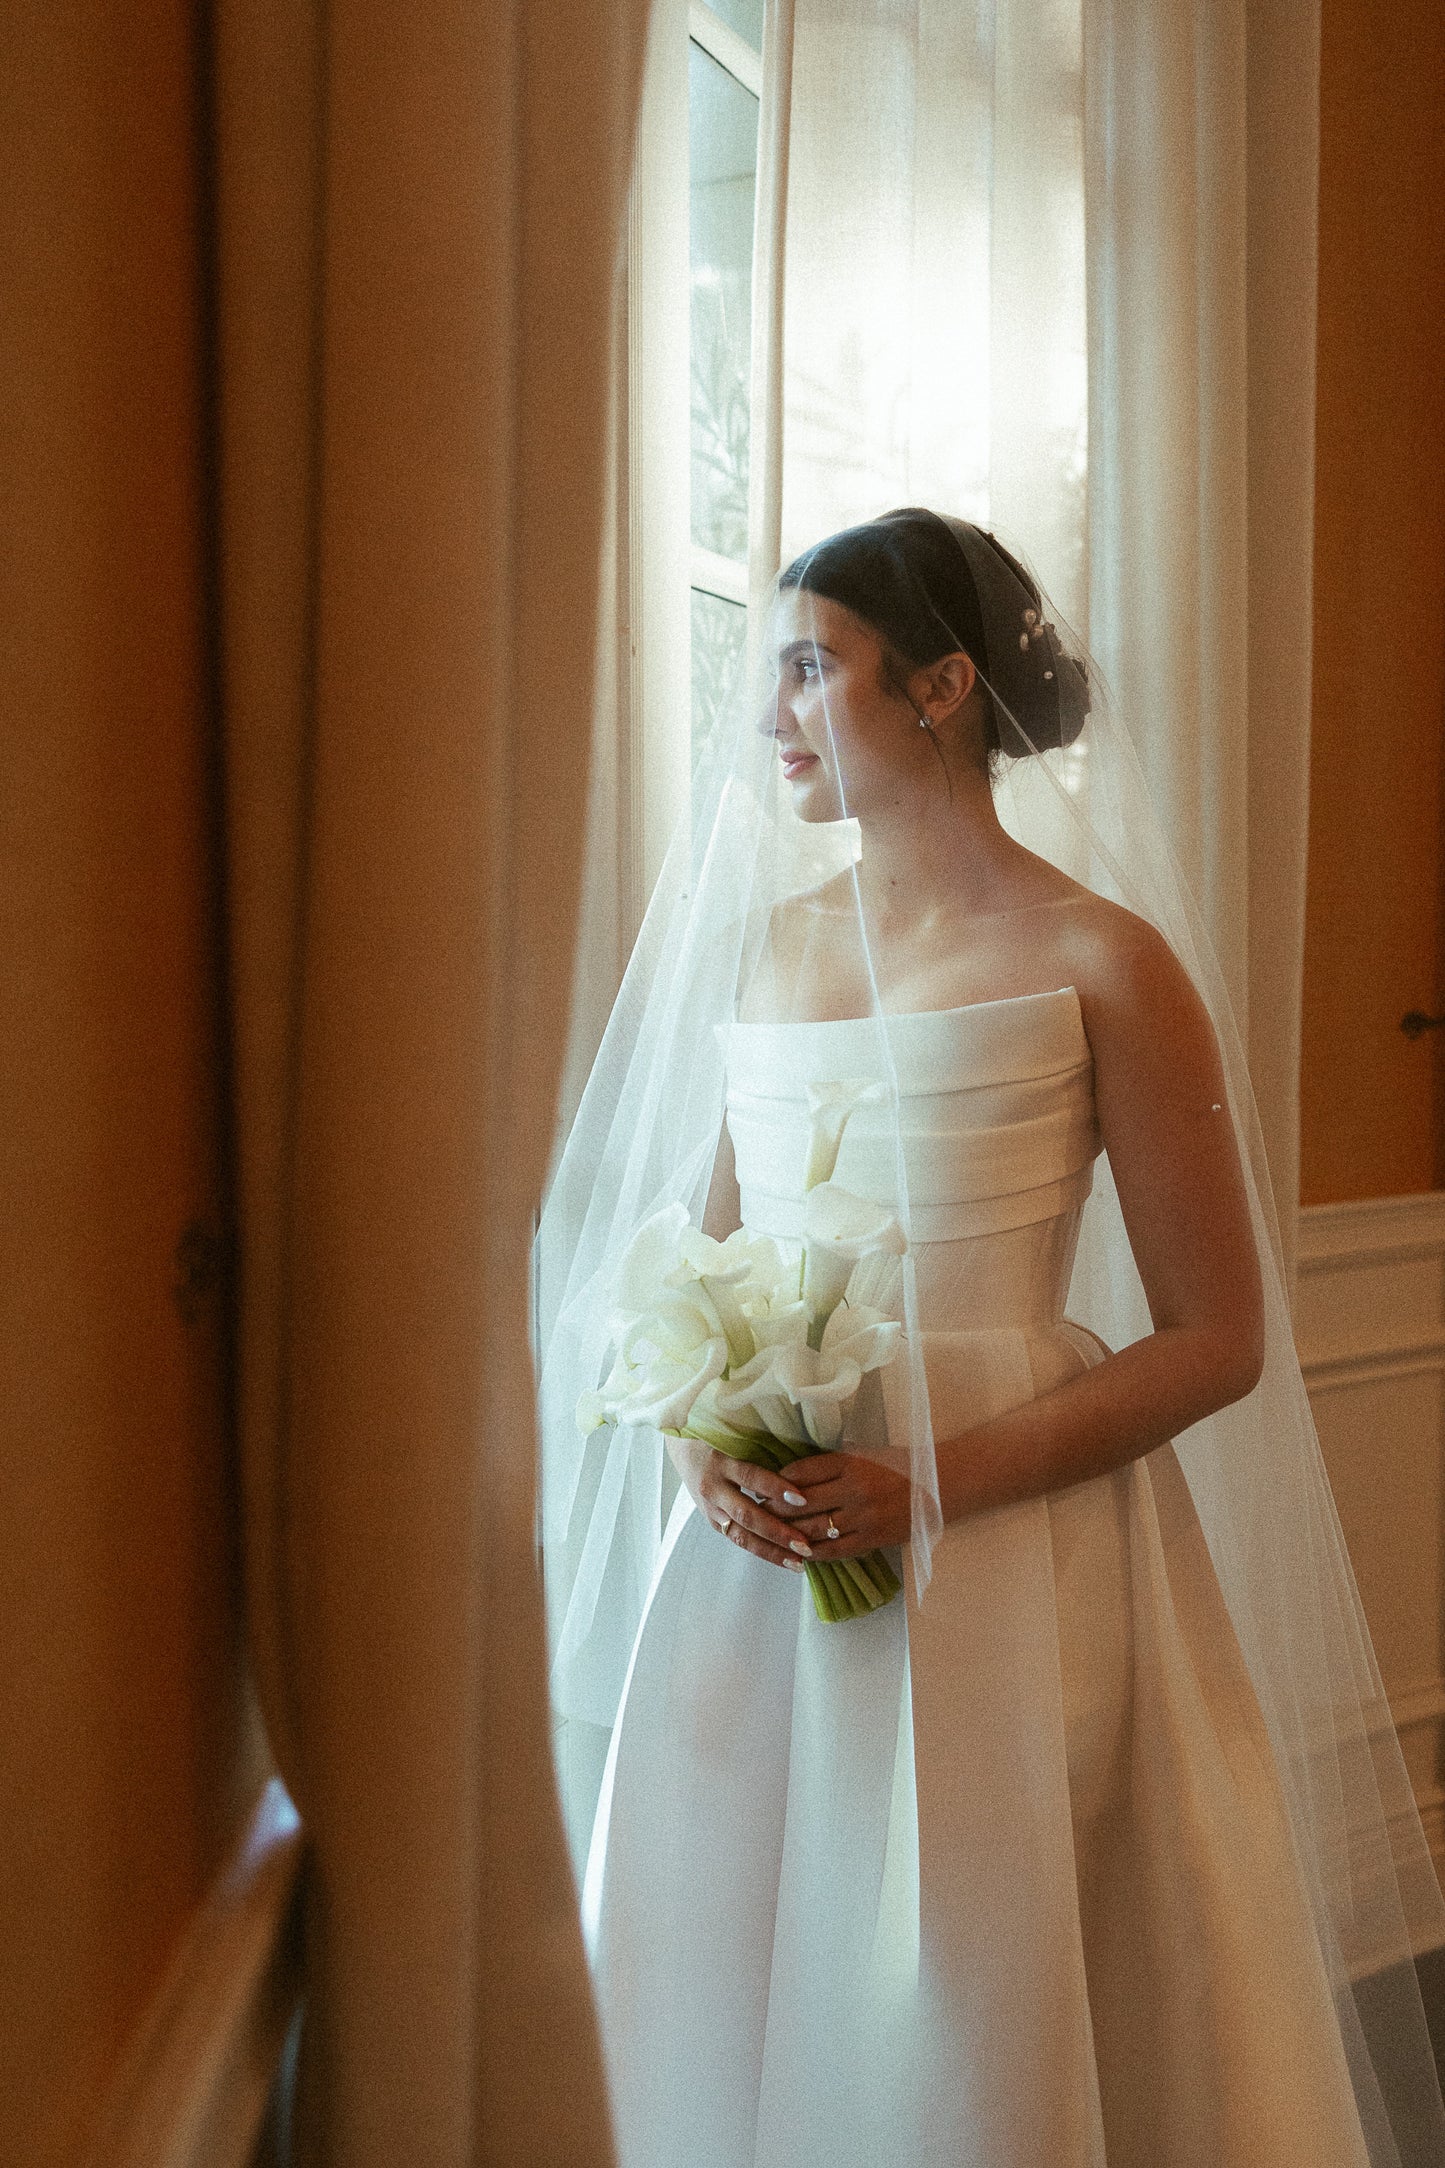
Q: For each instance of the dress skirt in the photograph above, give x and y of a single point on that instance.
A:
(997, 1881)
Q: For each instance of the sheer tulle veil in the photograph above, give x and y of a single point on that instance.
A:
(1067, 783)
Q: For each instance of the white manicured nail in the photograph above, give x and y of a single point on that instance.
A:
(793, 1498)
(804, 1550)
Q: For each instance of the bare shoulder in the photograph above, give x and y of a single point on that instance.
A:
(837, 893)
(1117, 961)
(1157, 1060)
(1126, 972)
(1164, 1110)
(795, 919)
(782, 944)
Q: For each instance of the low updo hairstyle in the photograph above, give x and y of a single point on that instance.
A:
(907, 574)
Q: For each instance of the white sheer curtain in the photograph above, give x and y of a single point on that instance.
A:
(1202, 134)
(1072, 297)
(934, 338)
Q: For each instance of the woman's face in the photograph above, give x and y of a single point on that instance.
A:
(849, 742)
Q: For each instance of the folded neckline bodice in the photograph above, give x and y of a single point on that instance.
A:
(996, 1112)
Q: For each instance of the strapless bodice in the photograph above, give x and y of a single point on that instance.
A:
(999, 1137)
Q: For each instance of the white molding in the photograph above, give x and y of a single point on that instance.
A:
(1416, 1708)
(721, 42)
(1325, 1373)
(1417, 1705)
(195, 2080)
(1371, 1231)
(1370, 1299)
(1370, 1312)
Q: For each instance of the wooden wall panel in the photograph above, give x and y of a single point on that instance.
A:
(1372, 1101)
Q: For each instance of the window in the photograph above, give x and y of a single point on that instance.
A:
(724, 88)
(955, 145)
(939, 175)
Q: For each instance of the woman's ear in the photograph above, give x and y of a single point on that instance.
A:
(944, 686)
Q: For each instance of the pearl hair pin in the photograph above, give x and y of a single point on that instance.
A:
(1034, 629)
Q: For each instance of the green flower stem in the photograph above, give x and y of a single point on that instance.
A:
(838, 1595)
(885, 1581)
(864, 1599)
(881, 1576)
(858, 1578)
(822, 1601)
(858, 1604)
(833, 1607)
(838, 1605)
(759, 1450)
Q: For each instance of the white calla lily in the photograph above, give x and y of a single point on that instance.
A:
(839, 1230)
(594, 1409)
(760, 1394)
(665, 1394)
(756, 1350)
(722, 1300)
(658, 1390)
(649, 1260)
(741, 1257)
(789, 1321)
(794, 1390)
(829, 1108)
(676, 1325)
(860, 1335)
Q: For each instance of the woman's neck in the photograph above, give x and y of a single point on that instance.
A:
(930, 856)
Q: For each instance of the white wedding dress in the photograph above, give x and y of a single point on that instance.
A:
(843, 1906)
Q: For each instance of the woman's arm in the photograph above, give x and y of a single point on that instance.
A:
(1159, 1089)
(1159, 1086)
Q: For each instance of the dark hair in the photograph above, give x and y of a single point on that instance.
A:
(908, 575)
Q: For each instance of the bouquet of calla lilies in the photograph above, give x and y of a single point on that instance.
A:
(760, 1357)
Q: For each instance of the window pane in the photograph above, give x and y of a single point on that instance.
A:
(723, 151)
(744, 16)
(719, 630)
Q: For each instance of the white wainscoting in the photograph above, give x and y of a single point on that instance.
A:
(196, 2079)
(1370, 1326)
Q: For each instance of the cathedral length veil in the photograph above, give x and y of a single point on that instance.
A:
(645, 1137)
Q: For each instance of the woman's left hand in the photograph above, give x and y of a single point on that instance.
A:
(870, 1505)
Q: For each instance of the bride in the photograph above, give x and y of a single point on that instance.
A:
(1057, 1857)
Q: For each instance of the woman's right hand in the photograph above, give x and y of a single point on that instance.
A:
(724, 1491)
